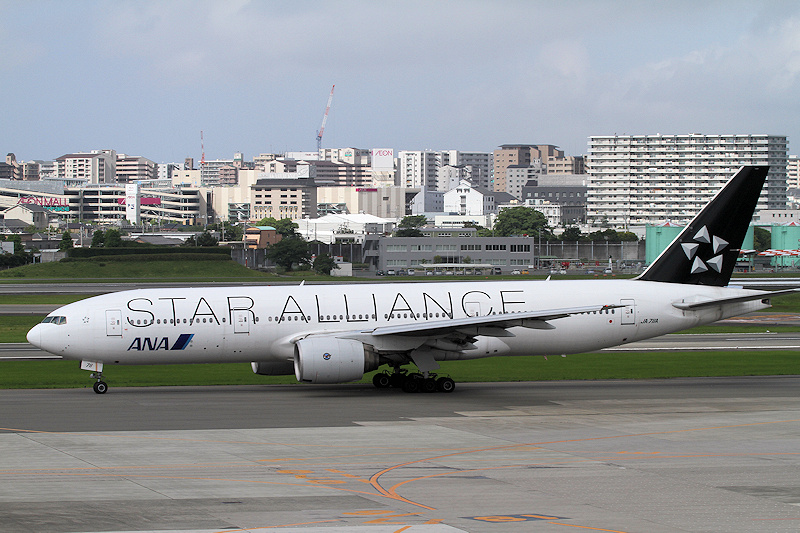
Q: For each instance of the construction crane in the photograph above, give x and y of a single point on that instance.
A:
(203, 152)
(324, 120)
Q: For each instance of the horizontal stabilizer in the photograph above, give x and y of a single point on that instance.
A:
(735, 299)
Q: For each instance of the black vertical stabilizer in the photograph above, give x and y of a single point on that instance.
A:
(705, 252)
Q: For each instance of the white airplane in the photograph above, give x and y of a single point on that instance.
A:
(337, 333)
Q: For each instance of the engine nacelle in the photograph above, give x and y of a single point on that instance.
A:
(332, 360)
(273, 368)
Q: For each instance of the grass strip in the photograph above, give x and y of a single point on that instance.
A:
(591, 366)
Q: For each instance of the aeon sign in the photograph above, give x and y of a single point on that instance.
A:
(51, 204)
(383, 159)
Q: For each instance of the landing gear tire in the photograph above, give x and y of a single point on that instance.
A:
(382, 380)
(445, 385)
(411, 385)
(100, 387)
(428, 385)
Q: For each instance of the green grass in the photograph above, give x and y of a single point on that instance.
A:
(150, 270)
(14, 328)
(41, 299)
(66, 374)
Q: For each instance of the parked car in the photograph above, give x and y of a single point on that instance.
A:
(515, 272)
(380, 273)
(390, 272)
(411, 271)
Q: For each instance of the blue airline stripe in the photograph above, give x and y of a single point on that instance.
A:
(183, 341)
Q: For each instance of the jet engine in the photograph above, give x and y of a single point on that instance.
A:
(273, 368)
(332, 360)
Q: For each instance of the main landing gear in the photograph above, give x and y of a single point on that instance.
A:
(100, 386)
(413, 382)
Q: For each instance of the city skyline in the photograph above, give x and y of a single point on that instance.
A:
(144, 78)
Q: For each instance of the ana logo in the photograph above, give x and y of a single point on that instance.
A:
(690, 249)
(153, 344)
(326, 356)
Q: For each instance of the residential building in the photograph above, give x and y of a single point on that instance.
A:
(418, 169)
(260, 237)
(518, 176)
(519, 155)
(793, 172)
(423, 168)
(134, 168)
(465, 199)
(647, 179)
(566, 190)
(95, 168)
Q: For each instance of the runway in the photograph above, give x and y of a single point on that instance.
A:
(628, 456)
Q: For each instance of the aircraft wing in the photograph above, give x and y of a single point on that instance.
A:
(492, 325)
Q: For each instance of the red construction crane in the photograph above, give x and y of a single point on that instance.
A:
(324, 120)
(203, 152)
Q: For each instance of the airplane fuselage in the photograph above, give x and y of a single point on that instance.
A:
(258, 323)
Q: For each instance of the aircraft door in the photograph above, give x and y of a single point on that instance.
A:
(241, 321)
(628, 312)
(114, 323)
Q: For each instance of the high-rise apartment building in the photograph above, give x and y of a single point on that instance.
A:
(645, 179)
(131, 168)
(793, 172)
(524, 155)
(95, 167)
(422, 168)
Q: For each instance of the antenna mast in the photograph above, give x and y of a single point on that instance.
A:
(324, 120)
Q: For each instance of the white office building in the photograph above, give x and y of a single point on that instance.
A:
(647, 179)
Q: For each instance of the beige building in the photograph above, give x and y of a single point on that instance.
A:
(383, 202)
(283, 196)
(132, 168)
(95, 168)
(520, 155)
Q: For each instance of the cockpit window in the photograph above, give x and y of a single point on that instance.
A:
(58, 320)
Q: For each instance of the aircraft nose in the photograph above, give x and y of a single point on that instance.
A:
(34, 336)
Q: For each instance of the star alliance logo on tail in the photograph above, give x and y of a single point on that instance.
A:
(703, 237)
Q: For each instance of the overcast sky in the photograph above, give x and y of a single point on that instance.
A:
(143, 78)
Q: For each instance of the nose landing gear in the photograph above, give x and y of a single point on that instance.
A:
(100, 386)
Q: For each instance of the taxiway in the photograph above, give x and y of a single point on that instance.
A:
(718, 454)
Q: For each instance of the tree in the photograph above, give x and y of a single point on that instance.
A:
(572, 233)
(762, 239)
(284, 226)
(98, 239)
(113, 239)
(18, 248)
(66, 242)
(206, 239)
(409, 226)
(611, 235)
(521, 220)
(323, 264)
(287, 252)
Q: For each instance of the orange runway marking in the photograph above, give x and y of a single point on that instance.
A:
(391, 491)
(586, 527)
